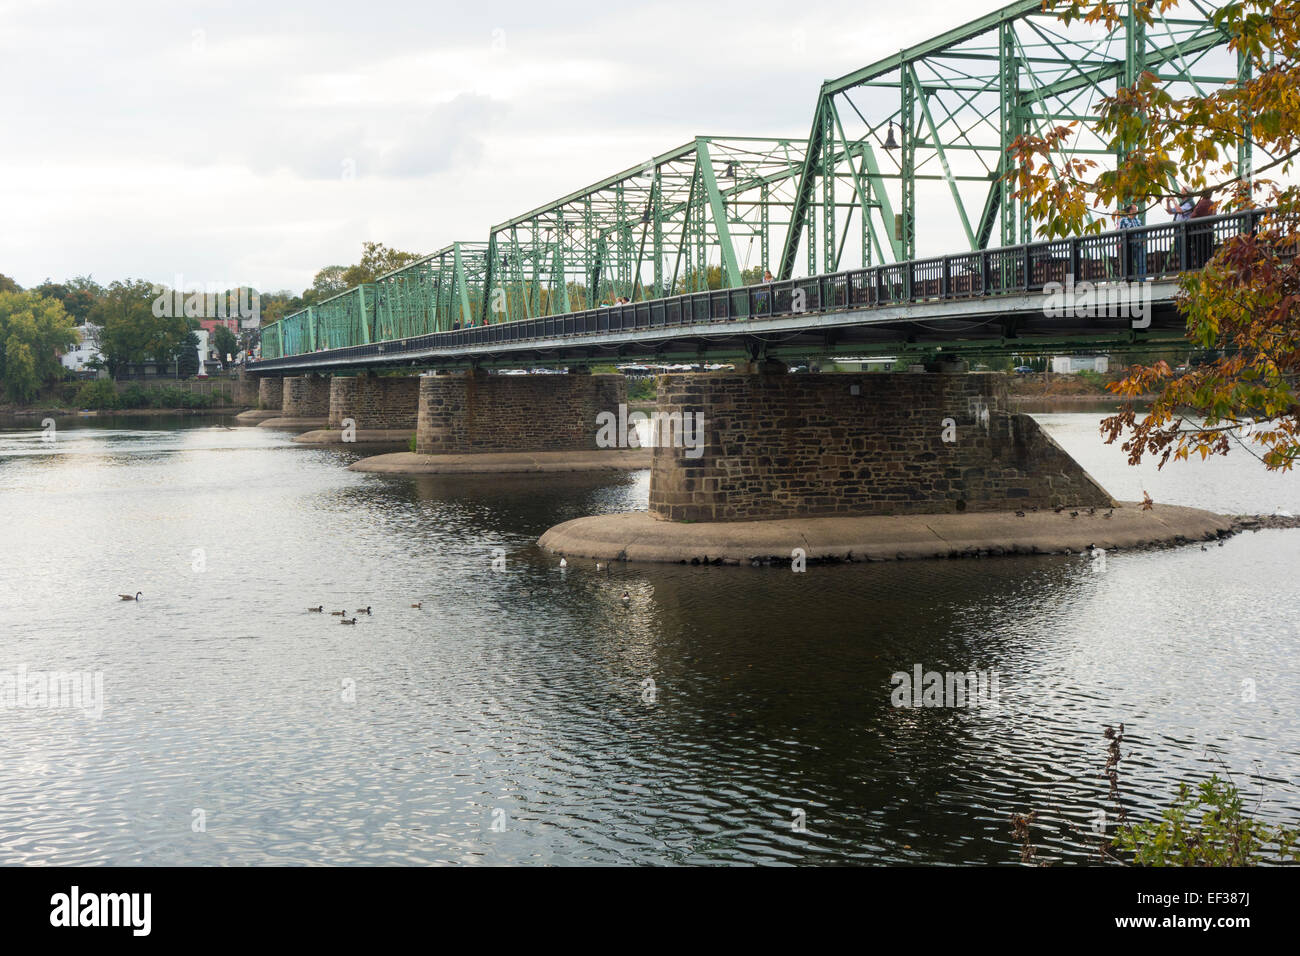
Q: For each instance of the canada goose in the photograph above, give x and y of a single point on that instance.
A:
(627, 598)
(1204, 548)
(339, 613)
(364, 610)
(317, 610)
(1020, 514)
(1059, 508)
(1074, 514)
(417, 605)
(132, 597)
(347, 621)
(1109, 513)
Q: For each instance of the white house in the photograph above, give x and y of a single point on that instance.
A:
(1070, 364)
(85, 350)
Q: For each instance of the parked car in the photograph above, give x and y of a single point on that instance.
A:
(1024, 369)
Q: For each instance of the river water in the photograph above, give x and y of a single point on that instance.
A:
(525, 714)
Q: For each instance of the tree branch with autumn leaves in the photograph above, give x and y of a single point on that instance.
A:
(1245, 304)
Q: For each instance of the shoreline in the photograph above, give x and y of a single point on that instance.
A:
(108, 412)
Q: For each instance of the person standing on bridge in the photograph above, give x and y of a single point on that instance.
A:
(1202, 241)
(1136, 245)
(763, 300)
(1181, 213)
(1183, 210)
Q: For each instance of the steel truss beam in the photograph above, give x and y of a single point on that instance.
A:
(956, 103)
(699, 215)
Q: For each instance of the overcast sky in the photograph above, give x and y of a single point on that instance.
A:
(254, 142)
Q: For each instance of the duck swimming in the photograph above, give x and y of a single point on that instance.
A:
(132, 597)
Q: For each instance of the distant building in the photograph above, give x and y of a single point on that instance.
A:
(1071, 364)
(85, 351)
(210, 325)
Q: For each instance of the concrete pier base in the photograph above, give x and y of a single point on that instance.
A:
(293, 423)
(501, 463)
(639, 536)
(255, 415)
(362, 436)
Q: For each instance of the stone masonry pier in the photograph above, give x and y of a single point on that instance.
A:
(381, 410)
(375, 402)
(306, 396)
(270, 392)
(474, 412)
(756, 468)
(476, 423)
(783, 446)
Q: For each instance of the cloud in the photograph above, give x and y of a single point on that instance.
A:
(446, 137)
(260, 142)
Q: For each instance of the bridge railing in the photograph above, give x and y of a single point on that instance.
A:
(1149, 252)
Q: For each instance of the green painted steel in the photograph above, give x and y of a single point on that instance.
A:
(698, 215)
(437, 293)
(944, 112)
(921, 135)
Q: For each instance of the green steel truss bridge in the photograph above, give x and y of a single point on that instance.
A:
(918, 137)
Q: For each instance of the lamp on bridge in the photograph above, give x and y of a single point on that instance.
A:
(890, 142)
(731, 171)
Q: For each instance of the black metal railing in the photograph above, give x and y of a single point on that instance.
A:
(1149, 252)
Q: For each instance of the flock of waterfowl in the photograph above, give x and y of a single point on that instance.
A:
(343, 615)
(369, 611)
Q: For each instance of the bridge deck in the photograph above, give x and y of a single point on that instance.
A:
(1111, 290)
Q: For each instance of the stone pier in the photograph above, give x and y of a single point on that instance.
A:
(306, 396)
(381, 409)
(474, 413)
(304, 403)
(475, 422)
(270, 395)
(777, 467)
(375, 402)
(270, 392)
(783, 446)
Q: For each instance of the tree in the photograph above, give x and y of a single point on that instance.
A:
(130, 332)
(224, 341)
(1246, 302)
(376, 260)
(327, 282)
(78, 295)
(9, 285)
(187, 358)
(33, 330)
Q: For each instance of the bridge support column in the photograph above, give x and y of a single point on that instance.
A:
(475, 412)
(270, 392)
(375, 403)
(306, 396)
(771, 446)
